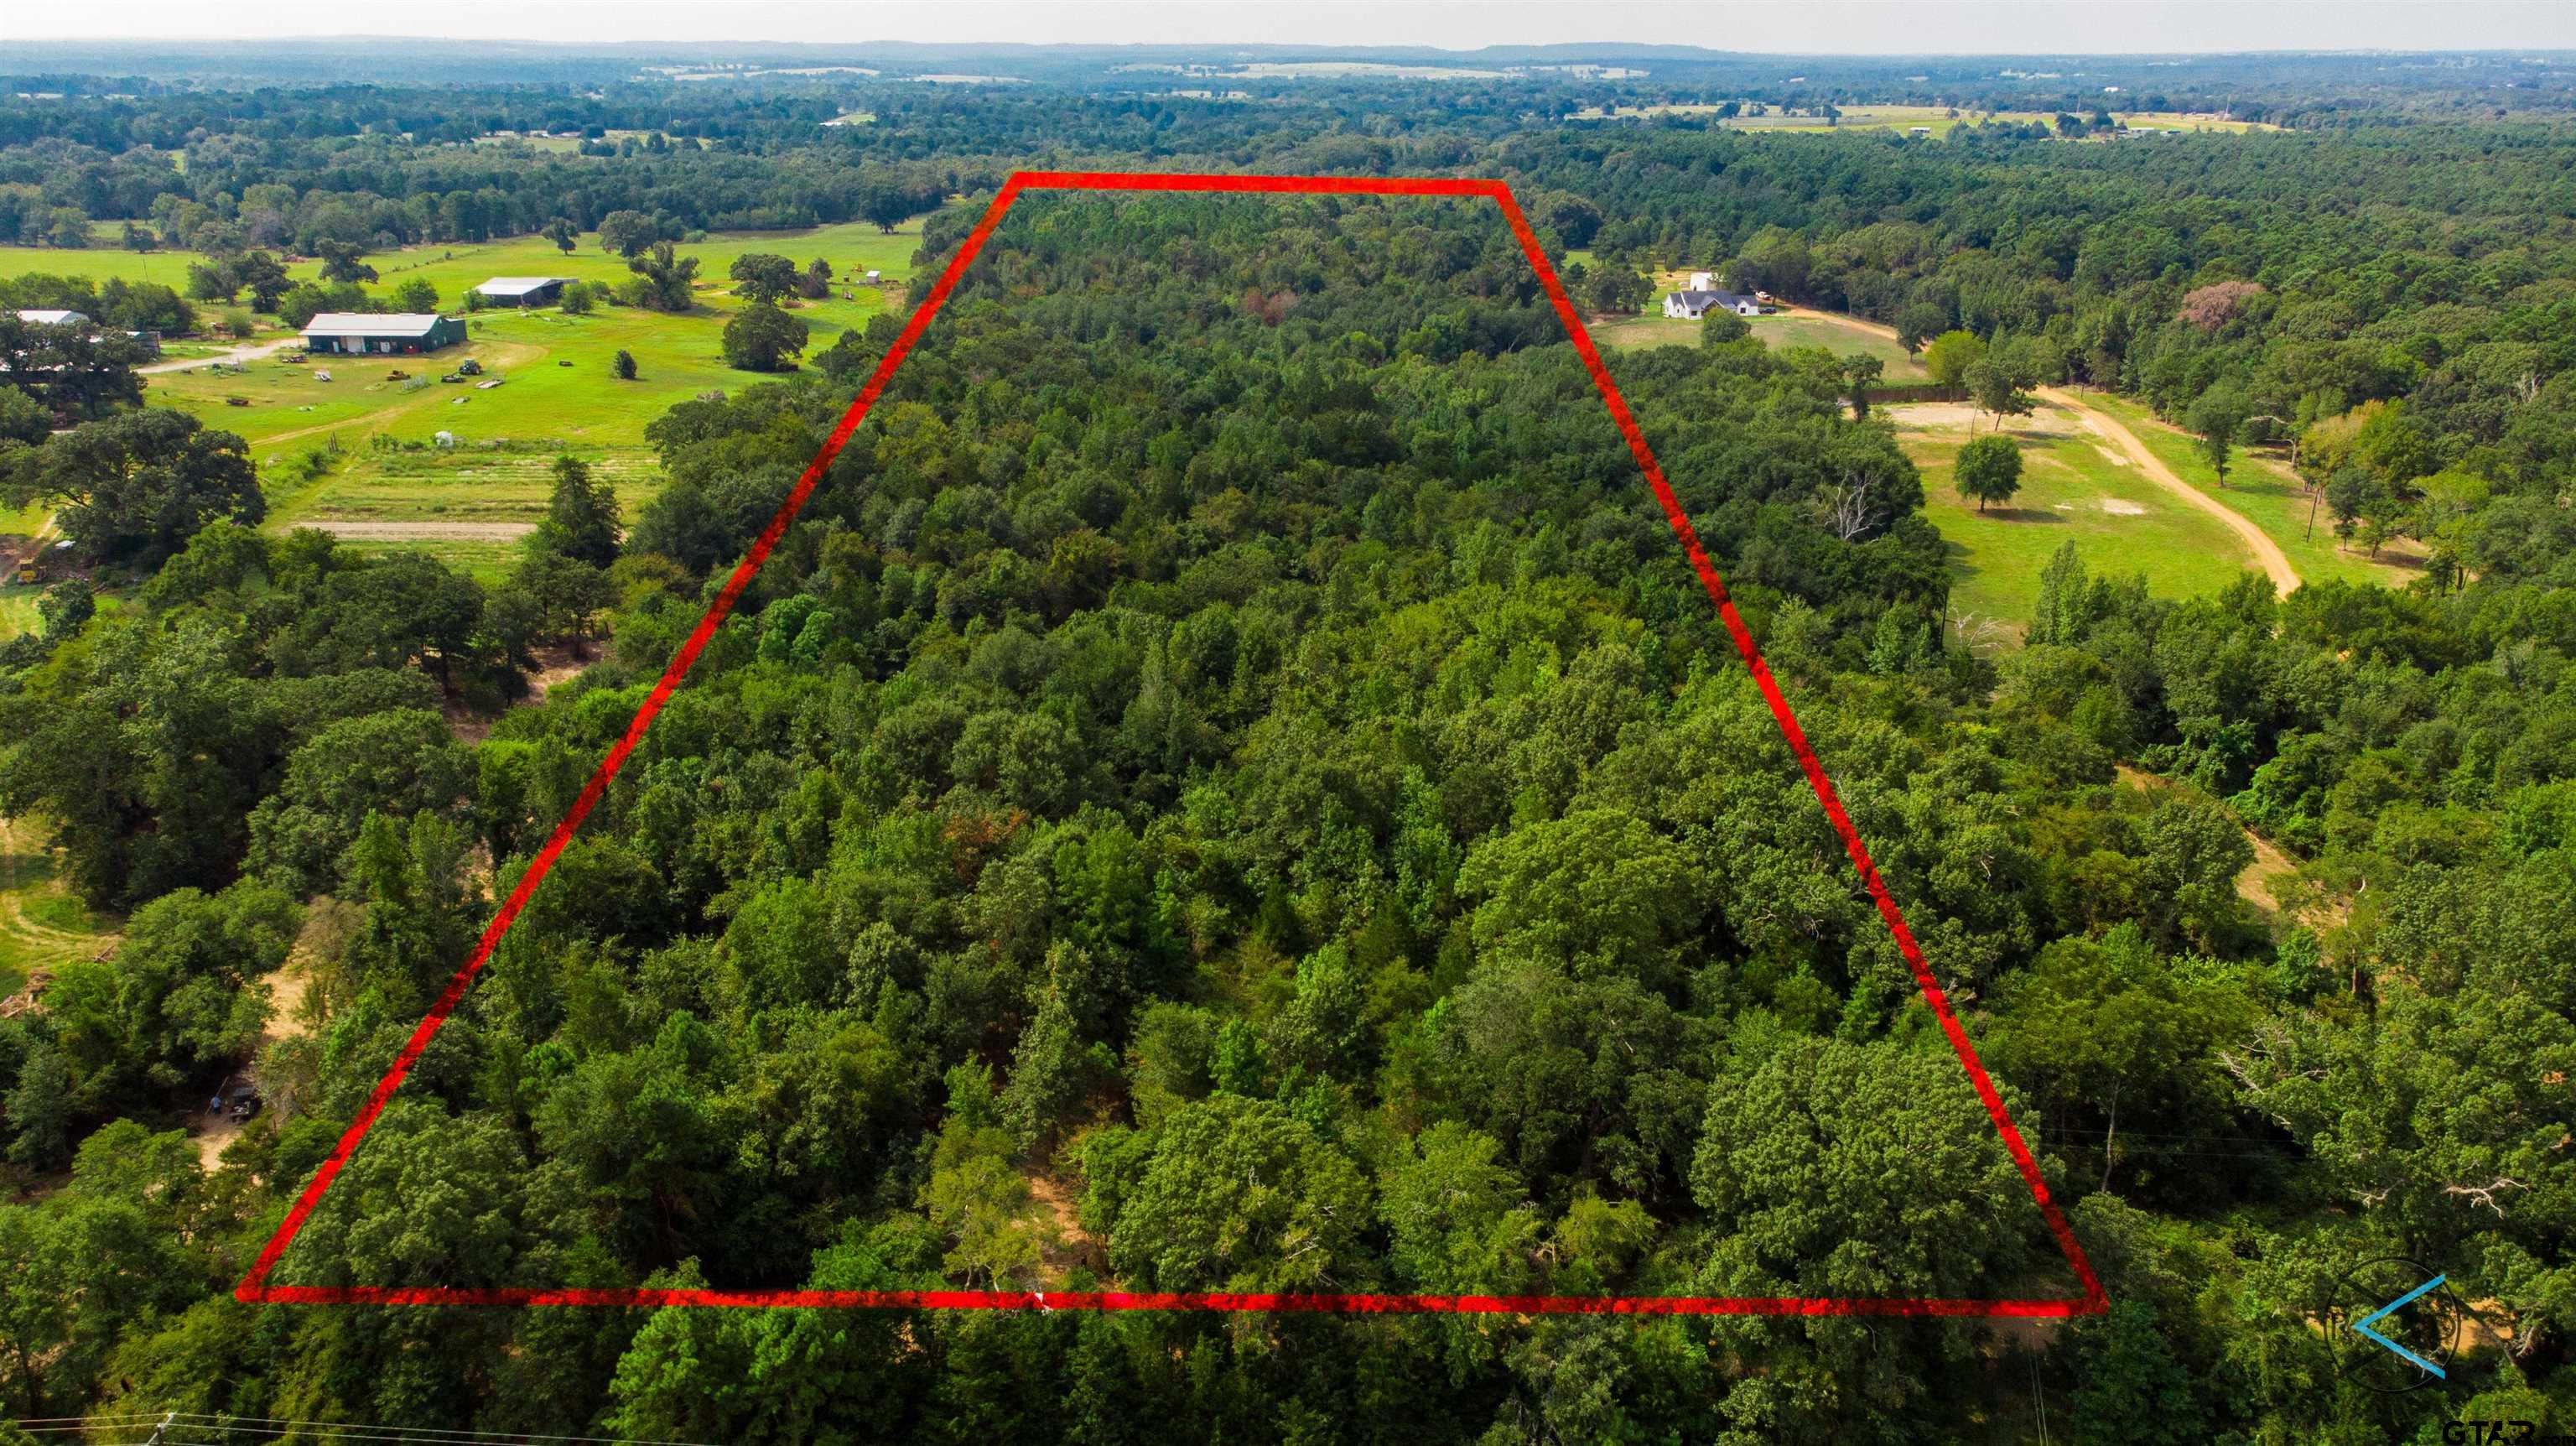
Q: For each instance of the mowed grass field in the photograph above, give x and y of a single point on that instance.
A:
(468, 504)
(2258, 488)
(2074, 488)
(1785, 329)
(1940, 120)
(42, 924)
(1853, 117)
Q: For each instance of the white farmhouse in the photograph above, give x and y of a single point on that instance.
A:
(1695, 303)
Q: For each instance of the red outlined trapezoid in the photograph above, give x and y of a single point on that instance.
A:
(256, 1286)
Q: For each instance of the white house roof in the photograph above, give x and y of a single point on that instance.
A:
(360, 323)
(40, 317)
(519, 285)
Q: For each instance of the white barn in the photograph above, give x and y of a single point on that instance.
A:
(523, 290)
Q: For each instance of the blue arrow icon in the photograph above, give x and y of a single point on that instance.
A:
(2363, 1325)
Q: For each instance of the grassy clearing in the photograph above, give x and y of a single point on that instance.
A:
(1841, 340)
(99, 263)
(1939, 120)
(853, 248)
(18, 610)
(1637, 333)
(1630, 333)
(2174, 120)
(2271, 501)
(42, 924)
(556, 389)
(2072, 490)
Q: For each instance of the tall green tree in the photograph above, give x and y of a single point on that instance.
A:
(133, 488)
(581, 515)
(762, 338)
(1988, 469)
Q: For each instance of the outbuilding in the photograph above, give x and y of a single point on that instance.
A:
(37, 316)
(523, 290)
(349, 333)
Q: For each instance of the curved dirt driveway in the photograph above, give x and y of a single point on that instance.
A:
(2285, 578)
(2276, 563)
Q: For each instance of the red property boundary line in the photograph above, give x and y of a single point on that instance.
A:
(255, 1286)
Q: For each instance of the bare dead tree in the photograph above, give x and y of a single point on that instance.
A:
(1847, 510)
(2484, 1196)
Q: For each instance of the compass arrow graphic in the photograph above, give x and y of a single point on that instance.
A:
(2363, 1325)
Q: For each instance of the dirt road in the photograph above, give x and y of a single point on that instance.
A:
(1846, 322)
(424, 531)
(2276, 563)
(252, 351)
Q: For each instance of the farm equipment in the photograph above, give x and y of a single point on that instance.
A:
(398, 375)
(236, 401)
(469, 368)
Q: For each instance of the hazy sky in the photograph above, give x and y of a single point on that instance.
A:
(1812, 26)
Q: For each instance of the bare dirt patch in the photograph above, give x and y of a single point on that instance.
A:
(251, 351)
(426, 531)
(2275, 563)
(2122, 507)
(288, 1018)
(1071, 1245)
(2254, 882)
(555, 666)
(1928, 415)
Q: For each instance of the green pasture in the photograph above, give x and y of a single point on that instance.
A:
(2071, 490)
(1940, 120)
(42, 924)
(18, 610)
(2267, 498)
(1654, 329)
(1637, 333)
(107, 259)
(2179, 121)
(1841, 340)
(553, 370)
(1853, 117)
(467, 502)
(853, 248)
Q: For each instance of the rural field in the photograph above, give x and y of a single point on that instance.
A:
(468, 503)
(42, 924)
(1940, 120)
(2261, 487)
(1782, 329)
(2076, 488)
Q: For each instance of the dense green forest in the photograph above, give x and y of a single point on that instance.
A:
(1230, 784)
